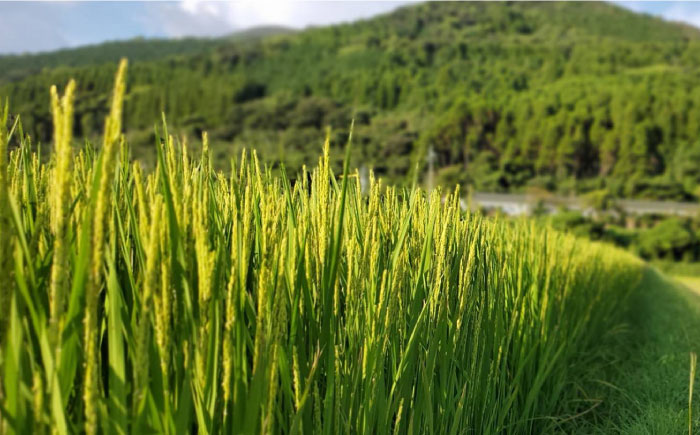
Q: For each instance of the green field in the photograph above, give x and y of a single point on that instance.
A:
(241, 235)
(183, 299)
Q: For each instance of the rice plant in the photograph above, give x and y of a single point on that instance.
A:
(187, 300)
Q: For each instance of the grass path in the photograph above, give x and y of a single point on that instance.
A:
(648, 363)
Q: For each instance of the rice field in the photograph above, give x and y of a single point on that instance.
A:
(189, 300)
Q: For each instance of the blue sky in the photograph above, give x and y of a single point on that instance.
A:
(42, 26)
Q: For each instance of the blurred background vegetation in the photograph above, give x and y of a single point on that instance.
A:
(570, 98)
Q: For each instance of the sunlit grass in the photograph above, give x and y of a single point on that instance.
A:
(648, 378)
(188, 300)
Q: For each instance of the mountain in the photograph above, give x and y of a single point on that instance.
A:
(259, 32)
(16, 67)
(568, 96)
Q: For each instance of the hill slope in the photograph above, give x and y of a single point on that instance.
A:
(17, 67)
(563, 96)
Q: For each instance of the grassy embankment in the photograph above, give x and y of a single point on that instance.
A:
(644, 382)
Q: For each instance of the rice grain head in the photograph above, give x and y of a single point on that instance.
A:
(61, 200)
(109, 161)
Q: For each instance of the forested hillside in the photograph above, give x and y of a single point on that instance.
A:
(17, 67)
(561, 96)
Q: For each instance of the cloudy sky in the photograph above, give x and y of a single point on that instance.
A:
(42, 26)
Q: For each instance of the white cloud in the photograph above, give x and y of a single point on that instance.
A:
(173, 20)
(683, 12)
(297, 14)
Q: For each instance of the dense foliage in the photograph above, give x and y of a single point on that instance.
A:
(188, 300)
(18, 67)
(565, 96)
(668, 238)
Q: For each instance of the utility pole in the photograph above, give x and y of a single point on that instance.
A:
(364, 179)
(431, 170)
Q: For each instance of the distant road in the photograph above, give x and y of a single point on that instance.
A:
(518, 203)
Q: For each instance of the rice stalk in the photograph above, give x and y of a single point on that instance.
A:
(256, 303)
